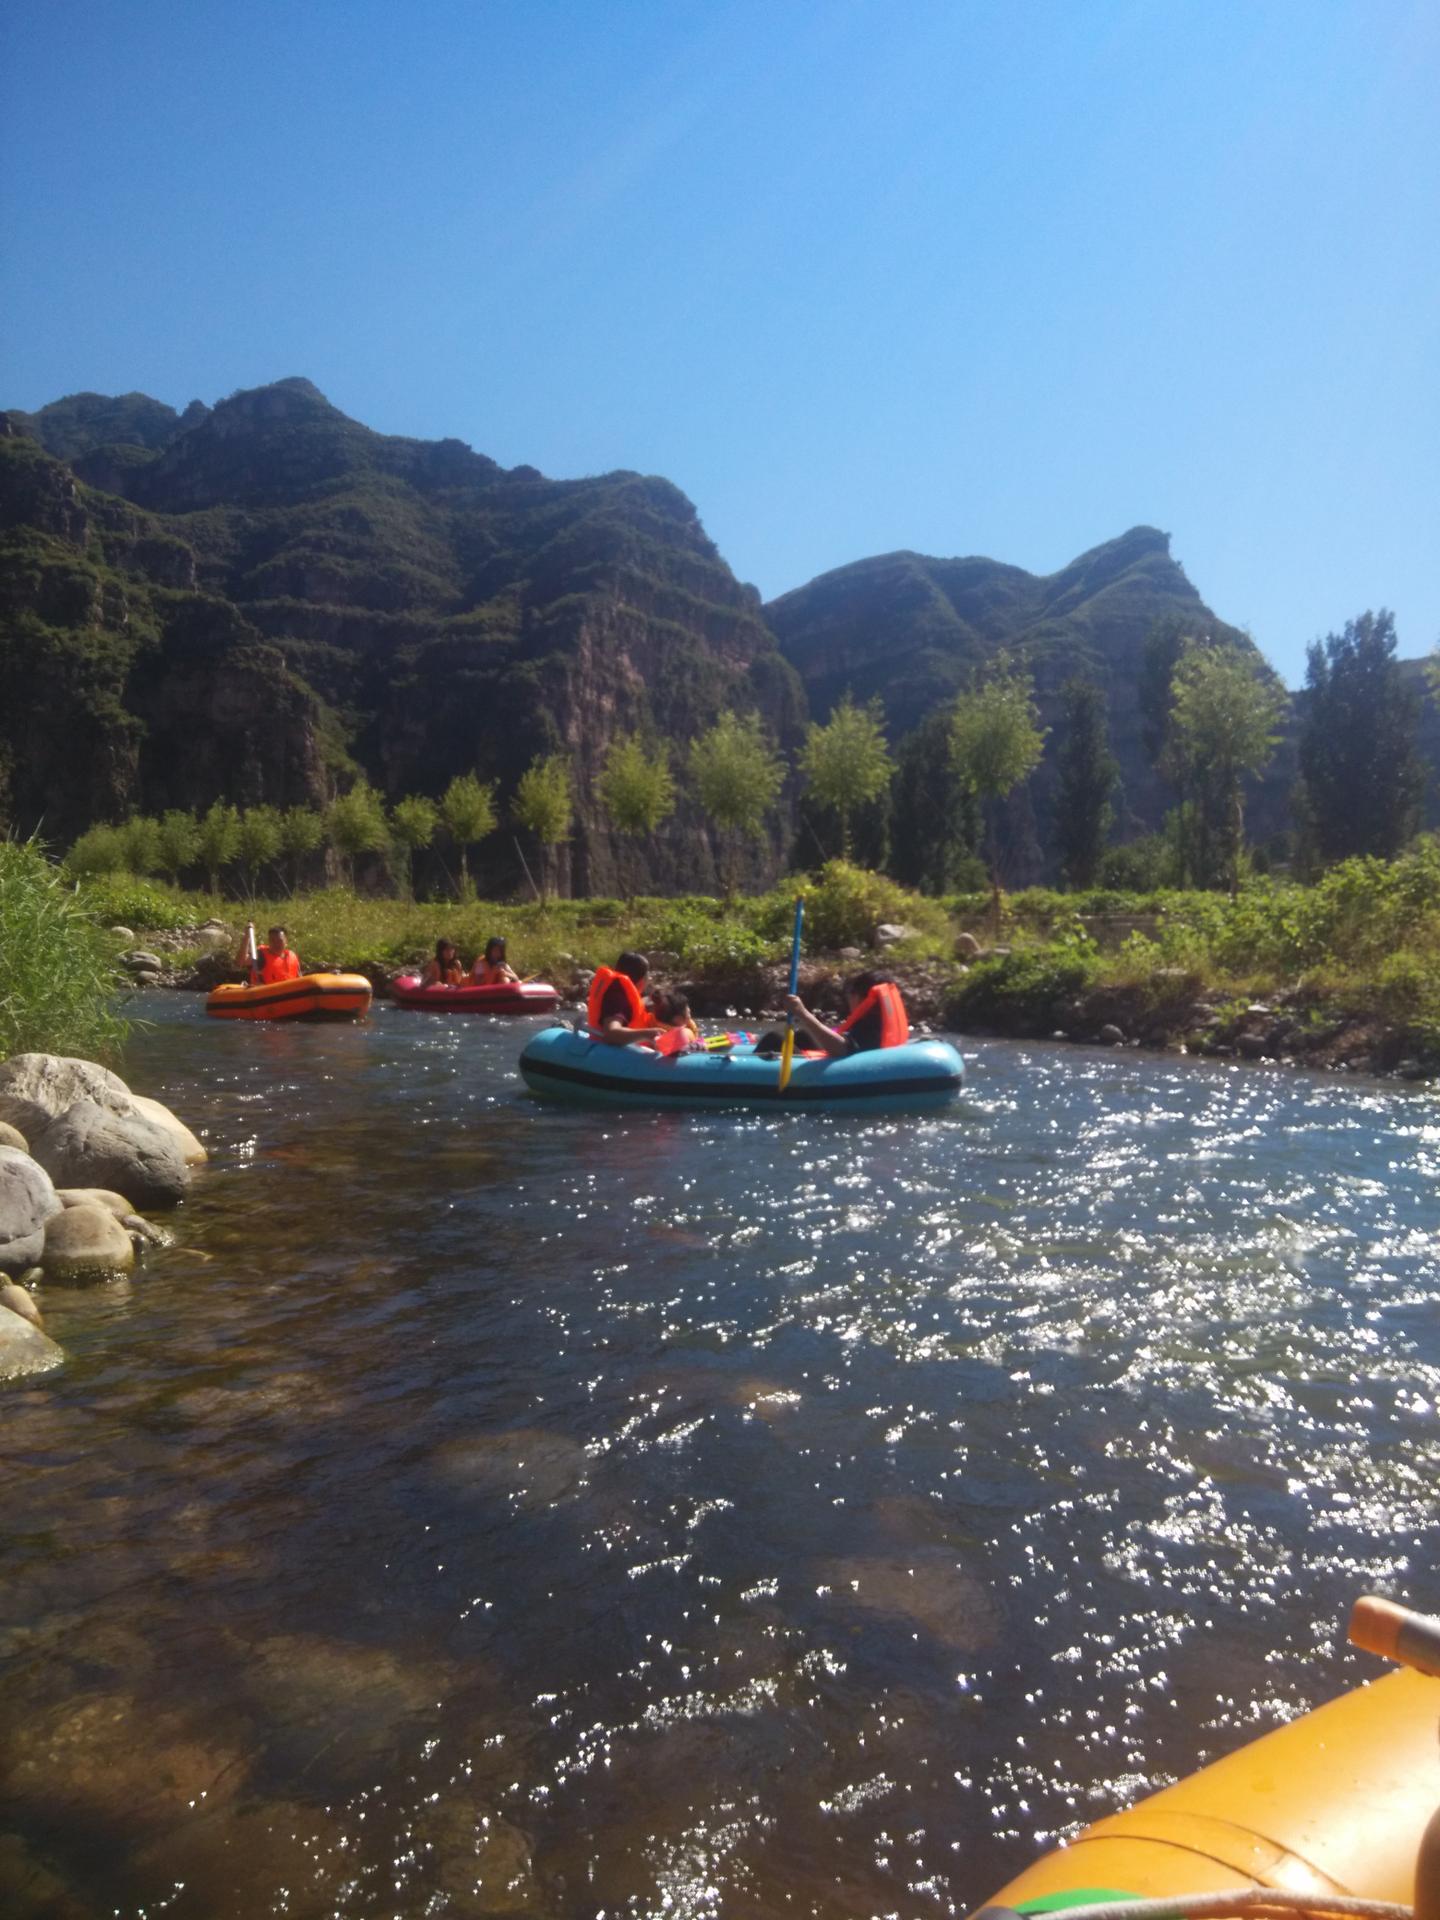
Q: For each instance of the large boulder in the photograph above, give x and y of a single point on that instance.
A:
(12, 1137)
(20, 1300)
(24, 1348)
(191, 1151)
(115, 1203)
(27, 1201)
(86, 1243)
(93, 1146)
(36, 1088)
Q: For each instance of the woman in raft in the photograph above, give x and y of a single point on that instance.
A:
(445, 969)
(276, 960)
(615, 1011)
(492, 969)
(877, 1018)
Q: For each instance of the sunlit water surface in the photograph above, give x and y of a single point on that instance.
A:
(498, 1509)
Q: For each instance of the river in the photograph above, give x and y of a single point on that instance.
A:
(498, 1509)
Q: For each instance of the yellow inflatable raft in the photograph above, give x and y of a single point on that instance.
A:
(1335, 1803)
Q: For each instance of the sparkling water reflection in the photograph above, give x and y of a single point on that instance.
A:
(490, 1509)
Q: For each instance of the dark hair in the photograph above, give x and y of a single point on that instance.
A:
(861, 983)
(671, 1006)
(635, 965)
(496, 940)
(442, 943)
(273, 931)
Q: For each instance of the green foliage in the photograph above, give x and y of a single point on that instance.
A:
(706, 941)
(100, 850)
(636, 786)
(935, 824)
(121, 900)
(467, 813)
(258, 841)
(1359, 761)
(1023, 992)
(61, 978)
(544, 806)
(413, 822)
(737, 776)
(1087, 773)
(844, 905)
(217, 841)
(140, 844)
(846, 761)
(355, 823)
(177, 843)
(1224, 719)
(995, 733)
(302, 832)
(1139, 866)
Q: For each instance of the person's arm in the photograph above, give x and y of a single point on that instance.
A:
(822, 1035)
(616, 1035)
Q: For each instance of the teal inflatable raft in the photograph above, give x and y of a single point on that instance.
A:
(561, 1064)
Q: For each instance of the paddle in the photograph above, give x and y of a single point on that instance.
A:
(251, 954)
(787, 1051)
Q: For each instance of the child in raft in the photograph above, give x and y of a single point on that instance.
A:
(675, 1031)
(492, 969)
(876, 1018)
(445, 969)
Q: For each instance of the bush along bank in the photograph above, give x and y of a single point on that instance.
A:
(1343, 973)
(83, 1162)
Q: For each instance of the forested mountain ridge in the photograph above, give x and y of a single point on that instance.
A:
(255, 599)
(943, 619)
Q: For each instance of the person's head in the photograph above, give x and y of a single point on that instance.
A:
(859, 984)
(634, 965)
(445, 953)
(495, 952)
(275, 939)
(671, 1008)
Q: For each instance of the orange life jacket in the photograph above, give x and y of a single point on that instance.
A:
(275, 967)
(607, 977)
(894, 1021)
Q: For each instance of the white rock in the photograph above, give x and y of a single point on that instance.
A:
(86, 1243)
(27, 1201)
(93, 1146)
(24, 1349)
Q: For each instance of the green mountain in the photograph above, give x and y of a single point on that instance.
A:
(256, 599)
(911, 629)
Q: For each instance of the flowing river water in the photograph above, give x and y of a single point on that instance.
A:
(496, 1509)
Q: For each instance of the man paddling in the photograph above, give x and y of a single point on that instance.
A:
(615, 1011)
(273, 962)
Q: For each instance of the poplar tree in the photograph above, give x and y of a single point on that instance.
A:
(737, 776)
(413, 821)
(1087, 776)
(1225, 719)
(467, 813)
(996, 741)
(217, 838)
(356, 824)
(1359, 758)
(302, 831)
(257, 842)
(544, 807)
(636, 787)
(846, 761)
(176, 843)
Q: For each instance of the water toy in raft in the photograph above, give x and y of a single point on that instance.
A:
(564, 1063)
(1335, 1804)
(313, 996)
(524, 996)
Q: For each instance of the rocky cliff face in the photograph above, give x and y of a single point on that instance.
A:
(257, 598)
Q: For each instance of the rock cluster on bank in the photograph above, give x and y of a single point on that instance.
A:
(80, 1156)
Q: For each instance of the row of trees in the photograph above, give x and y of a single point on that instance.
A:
(1211, 713)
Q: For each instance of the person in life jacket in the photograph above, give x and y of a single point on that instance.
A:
(445, 969)
(615, 1011)
(492, 969)
(877, 1017)
(273, 962)
(675, 1031)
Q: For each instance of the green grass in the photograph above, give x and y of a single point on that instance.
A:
(60, 979)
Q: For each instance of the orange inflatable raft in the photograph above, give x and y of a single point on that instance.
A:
(1336, 1803)
(314, 996)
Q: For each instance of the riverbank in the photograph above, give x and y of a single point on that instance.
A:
(1341, 975)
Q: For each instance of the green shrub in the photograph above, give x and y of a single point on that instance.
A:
(120, 899)
(61, 977)
(1024, 991)
(843, 907)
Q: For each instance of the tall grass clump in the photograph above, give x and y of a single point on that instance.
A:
(58, 972)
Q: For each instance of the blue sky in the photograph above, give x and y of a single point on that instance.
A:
(967, 278)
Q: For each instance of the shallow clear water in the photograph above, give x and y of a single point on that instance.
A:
(490, 1508)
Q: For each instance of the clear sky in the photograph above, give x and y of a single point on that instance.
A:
(968, 278)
